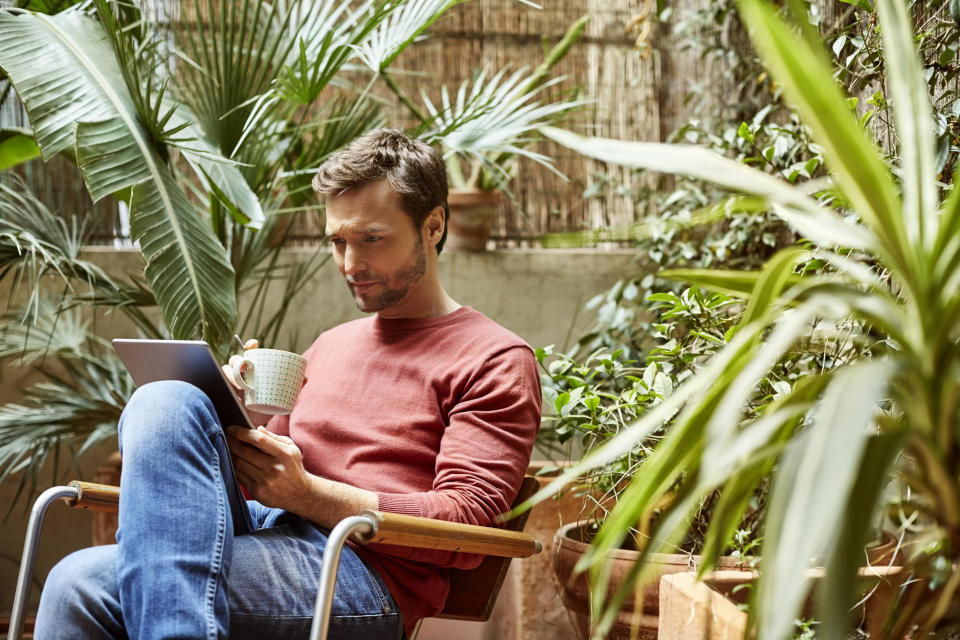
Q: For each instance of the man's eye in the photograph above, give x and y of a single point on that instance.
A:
(337, 241)
(373, 239)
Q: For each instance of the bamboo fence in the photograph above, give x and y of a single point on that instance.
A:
(638, 94)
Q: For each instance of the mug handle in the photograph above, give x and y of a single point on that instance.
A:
(238, 370)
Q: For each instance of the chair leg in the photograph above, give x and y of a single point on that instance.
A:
(364, 525)
(29, 558)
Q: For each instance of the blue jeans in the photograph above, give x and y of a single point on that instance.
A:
(192, 559)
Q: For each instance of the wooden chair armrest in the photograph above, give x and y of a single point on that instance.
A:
(392, 528)
(440, 535)
(98, 497)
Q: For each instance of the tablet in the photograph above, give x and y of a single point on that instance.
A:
(187, 360)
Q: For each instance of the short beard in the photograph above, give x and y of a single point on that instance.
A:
(405, 278)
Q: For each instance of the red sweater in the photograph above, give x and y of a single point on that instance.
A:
(436, 415)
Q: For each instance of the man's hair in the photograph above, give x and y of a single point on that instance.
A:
(414, 170)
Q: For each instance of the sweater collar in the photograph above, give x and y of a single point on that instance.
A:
(413, 324)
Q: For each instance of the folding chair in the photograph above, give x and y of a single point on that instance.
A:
(472, 592)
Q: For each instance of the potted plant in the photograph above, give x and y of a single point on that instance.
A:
(597, 395)
(484, 130)
(886, 245)
(211, 172)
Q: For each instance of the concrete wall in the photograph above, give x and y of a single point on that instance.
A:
(538, 294)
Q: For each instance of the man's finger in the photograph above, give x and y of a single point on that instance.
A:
(274, 436)
(252, 454)
(252, 343)
(246, 474)
(228, 370)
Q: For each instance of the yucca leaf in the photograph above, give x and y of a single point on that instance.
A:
(859, 170)
(811, 490)
(793, 324)
(821, 225)
(723, 454)
(745, 460)
(773, 279)
(731, 282)
(650, 422)
(847, 554)
(914, 123)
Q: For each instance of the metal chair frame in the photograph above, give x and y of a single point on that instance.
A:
(367, 527)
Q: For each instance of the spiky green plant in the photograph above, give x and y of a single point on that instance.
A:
(836, 440)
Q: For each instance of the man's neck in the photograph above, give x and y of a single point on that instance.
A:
(428, 300)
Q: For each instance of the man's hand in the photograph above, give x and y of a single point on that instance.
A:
(270, 467)
(253, 343)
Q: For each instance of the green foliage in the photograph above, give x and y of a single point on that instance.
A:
(16, 147)
(491, 122)
(210, 140)
(880, 278)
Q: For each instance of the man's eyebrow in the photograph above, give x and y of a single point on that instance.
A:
(357, 231)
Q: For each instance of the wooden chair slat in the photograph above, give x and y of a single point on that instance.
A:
(424, 533)
(98, 497)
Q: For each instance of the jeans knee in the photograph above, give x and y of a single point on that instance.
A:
(80, 587)
(165, 394)
(164, 407)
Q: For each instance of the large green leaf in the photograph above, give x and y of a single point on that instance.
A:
(821, 225)
(16, 147)
(911, 107)
(67, 76)
(811, 490)
(858, 166)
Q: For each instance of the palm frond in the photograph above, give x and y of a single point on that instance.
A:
(77, 404)
(405, 24)
(498, 115)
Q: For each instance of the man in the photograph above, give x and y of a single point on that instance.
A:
(426, 408)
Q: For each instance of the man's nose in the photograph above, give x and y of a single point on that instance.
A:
(352, 261)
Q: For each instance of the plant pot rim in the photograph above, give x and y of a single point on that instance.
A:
(562, 539)
(460, 197)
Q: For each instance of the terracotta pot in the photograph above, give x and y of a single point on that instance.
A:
(472, 213)
(567, 551)
(885, 551)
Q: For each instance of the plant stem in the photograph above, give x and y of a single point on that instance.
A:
(404, 98)
(940, 481)
(542, 71)
(557, 53)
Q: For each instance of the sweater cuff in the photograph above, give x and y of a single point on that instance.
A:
(400, 503)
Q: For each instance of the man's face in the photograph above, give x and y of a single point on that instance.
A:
(376, 248)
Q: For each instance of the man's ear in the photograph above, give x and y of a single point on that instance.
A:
(434, 224)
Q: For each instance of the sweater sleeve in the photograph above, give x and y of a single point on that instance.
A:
(484, 453)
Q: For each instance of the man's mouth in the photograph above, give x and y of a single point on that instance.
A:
(360, 287)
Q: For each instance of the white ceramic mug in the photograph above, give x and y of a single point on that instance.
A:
(271, 379)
